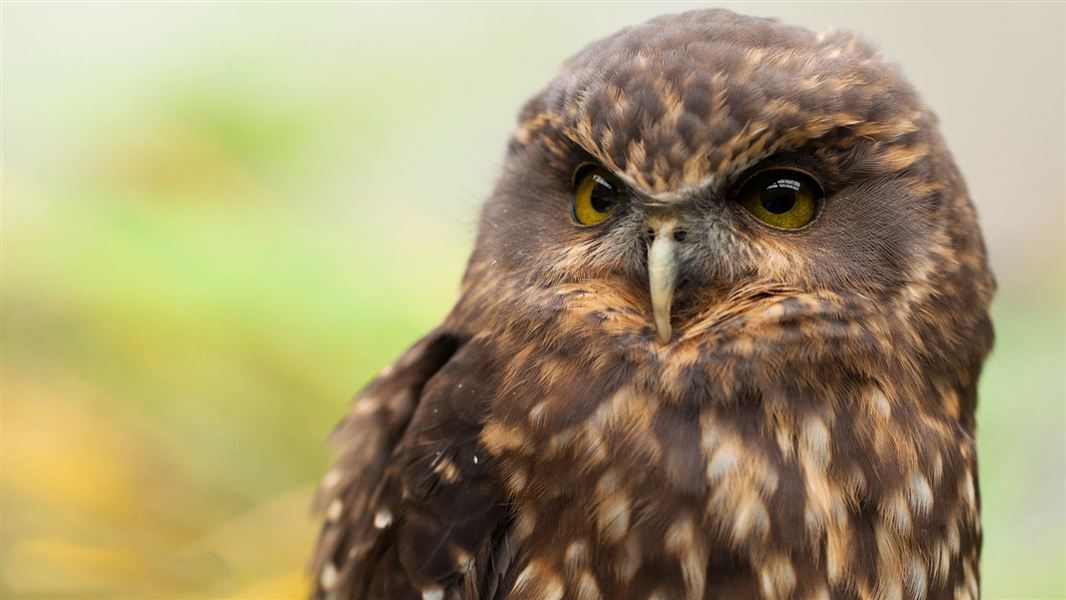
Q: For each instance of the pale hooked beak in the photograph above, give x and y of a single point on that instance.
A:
(662, 275)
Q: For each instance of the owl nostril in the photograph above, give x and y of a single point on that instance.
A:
(679, 235)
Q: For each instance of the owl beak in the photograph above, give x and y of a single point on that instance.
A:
(662, 275)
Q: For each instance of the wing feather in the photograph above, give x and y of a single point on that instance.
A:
(412, 505)
(367, 438)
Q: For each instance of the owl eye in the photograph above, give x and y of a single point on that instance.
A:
(782, 198)
(596, 196)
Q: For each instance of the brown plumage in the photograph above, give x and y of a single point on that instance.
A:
(683, 393)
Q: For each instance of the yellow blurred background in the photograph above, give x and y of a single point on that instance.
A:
(219, 220)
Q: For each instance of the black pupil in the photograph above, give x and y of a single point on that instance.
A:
(780, 196)
(603, 195)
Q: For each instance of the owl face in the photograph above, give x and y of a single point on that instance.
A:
(792, 222)
(691, 167)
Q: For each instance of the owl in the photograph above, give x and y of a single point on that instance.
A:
(719, 337)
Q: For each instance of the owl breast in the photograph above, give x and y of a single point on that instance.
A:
(631, 479)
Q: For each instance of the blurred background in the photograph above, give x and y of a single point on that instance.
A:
(220, 220)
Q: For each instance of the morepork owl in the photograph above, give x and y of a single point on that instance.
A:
(719, 338)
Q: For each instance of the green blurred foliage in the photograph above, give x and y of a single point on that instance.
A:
(217, 225)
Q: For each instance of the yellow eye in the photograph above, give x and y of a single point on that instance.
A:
(782, 198)
(596, 197)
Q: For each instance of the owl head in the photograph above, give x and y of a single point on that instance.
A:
(683, 168)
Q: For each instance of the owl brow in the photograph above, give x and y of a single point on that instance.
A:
(815, 157)
(573, 158)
